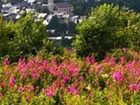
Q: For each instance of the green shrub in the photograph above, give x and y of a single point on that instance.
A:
(107, 27)
(25, 37)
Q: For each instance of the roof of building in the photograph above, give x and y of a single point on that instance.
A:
(63, 5)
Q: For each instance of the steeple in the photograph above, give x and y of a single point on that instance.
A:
(51, 5)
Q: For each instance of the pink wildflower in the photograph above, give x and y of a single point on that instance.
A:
(35, 75)
(59, 73)
(3, 84)
(62, 83)
(100, 69)
(66, 78)
(118, 76)
(134, 87)
(81, 78)
(73, 90)
(24, 88)
(49, 92)
(6, 61)
(122, 60)
(44, 65)
(90, 60)
(12, 81)
(73, 69)
(21, 89)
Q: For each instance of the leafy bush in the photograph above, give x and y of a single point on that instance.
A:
(4, 38)
(25, 37)
(108, 27)
(28, 35)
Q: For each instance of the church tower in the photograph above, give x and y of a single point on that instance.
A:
(51, 5)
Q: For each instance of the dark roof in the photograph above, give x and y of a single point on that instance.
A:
(63, 5)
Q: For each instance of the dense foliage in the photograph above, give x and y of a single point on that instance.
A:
(24, 37)
(106, 28)
(68, 80)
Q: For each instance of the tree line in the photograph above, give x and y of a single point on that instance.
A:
(107, 27)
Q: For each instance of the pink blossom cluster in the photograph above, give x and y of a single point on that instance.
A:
(118, 76)
(70, 76)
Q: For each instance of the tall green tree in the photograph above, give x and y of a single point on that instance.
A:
(29, 35)
(22, 37)
(106, 28)
(4, 39)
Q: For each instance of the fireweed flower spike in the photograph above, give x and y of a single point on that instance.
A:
(49, 92)
(134, 87)
(6, 61)
(118, 76)
(12, 81)
(72, 90)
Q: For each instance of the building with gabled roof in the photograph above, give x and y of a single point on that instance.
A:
(64, 7)
(60, 7)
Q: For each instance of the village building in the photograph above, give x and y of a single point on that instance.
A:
(63, 7)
